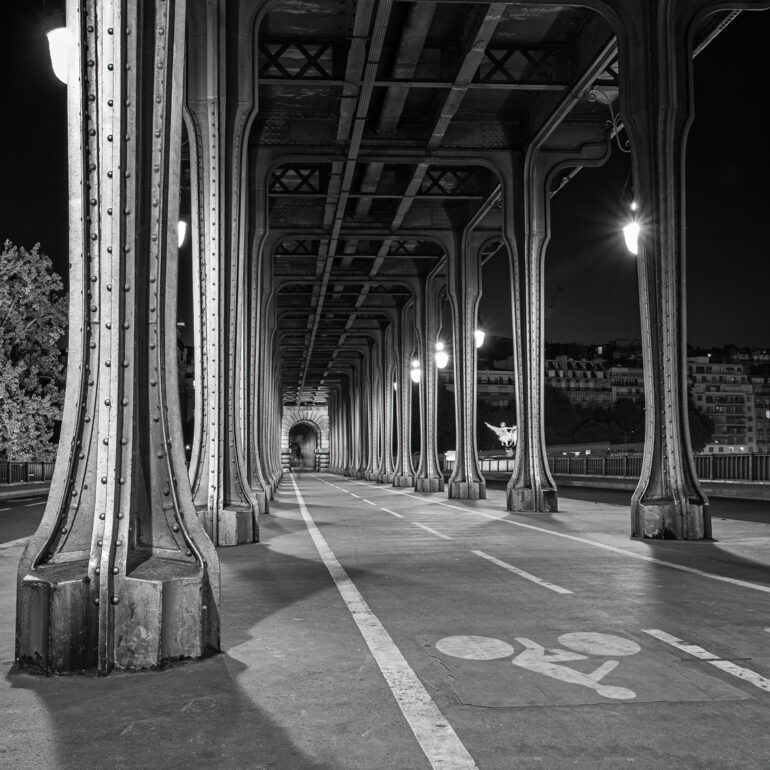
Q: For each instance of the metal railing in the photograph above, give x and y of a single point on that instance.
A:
(23, 473)
(710, 467)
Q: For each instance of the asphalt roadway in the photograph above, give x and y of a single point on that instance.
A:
(20, 517)
(376, 628)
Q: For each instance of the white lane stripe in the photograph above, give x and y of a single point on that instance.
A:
(387, 510)
(12, 543)
(436, 737)
(725, 665)
(30, 505)
(4, 509)
(603, 546)
(521, 573)
(369, 501)
(432, 531)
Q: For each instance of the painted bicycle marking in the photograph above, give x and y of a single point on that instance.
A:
(580, 645)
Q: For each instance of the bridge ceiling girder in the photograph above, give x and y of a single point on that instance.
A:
(381, 122)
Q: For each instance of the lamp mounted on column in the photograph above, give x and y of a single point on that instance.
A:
(181, 231)
(442, 357)
(631, 227)
(59, 37)
(415, 373)
(631, 230)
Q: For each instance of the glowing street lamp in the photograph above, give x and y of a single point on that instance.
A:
(442, 357)
(631, 231)
(479, 335)
(415, 372)
(181, 231)
(59, 47)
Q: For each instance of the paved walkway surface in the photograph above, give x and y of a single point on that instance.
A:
(376, 628)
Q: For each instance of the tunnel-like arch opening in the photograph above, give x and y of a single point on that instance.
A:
(304, 439)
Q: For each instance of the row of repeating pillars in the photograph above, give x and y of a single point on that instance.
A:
(122, 571)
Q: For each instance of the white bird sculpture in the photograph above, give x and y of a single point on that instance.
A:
(506, 435)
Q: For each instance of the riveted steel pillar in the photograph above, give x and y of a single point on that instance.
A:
(354, 435)
(221, 490)
(361, 415)
(263, 478)
(654, 51)
(427, 303)
(356, 426)
(374, 407)
(404, 344)
(385, 471)
(464, 289)
(526, 203)
(120, 558)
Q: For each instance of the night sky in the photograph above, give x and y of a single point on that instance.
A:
(590, 277)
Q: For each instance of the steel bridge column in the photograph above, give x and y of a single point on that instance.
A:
(404, 475)
(222, 495)
(373, 408)
(355, 427)
(354, 434)
(361, 405)
(119, 537)
(258, 404)
(464, 288)
(654, 52)
(429, 477)
(385, 471)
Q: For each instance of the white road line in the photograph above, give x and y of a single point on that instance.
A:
(387, 510)
(521, 573)
(12, 543)
(354, 495)
(432, 531)
(435, 735)
(603, 546)
(725, 665)
(30, 505)
(369, 501)
(4, 509)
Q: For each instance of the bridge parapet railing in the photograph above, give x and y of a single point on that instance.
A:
(710, 467)
(24, 473)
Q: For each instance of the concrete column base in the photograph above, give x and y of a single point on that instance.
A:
(467, 490)
(533, 501)
(663, 520)
(435, 484)
(58, 617)
(263, 501)
(236, 526)
(384, 478)
(403, 481)
(369, 476)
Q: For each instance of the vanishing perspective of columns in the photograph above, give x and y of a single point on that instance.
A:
(332, 213)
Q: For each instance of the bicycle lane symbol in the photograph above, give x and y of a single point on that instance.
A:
(580, 645)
